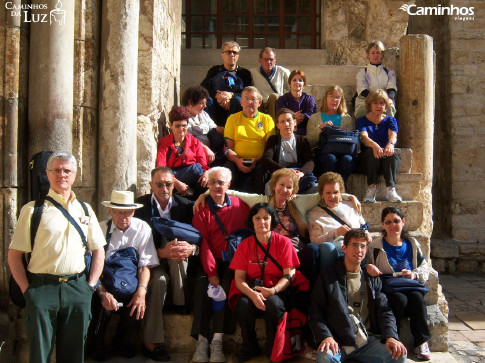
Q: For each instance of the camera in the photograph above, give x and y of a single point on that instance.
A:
(255, 282)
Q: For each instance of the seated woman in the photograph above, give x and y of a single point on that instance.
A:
(183, 153)
(332, 218)
(287, 150)
(298, 101)
(333, 112)
(202, 126)
(264, 266)
(396, 251)
(378, 133)
(375, 76)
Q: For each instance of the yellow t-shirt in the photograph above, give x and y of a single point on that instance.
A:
(58, 247)
(249, 134)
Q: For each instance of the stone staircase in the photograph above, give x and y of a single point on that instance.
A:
(196, 62)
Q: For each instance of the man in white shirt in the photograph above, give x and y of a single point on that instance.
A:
(271, 80)
(123, 232)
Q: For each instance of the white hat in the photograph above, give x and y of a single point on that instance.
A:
(122, 200)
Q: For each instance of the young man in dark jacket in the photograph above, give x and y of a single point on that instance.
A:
(344, 298)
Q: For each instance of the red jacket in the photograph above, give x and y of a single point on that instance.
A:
(213, 242)
(193, 153)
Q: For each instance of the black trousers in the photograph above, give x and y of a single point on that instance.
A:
(224, 321)
(387, 166)
(246, 313)
(101, 317)
(411, 305)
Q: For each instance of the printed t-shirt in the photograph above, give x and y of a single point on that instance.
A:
(249, 134)
(249, 257)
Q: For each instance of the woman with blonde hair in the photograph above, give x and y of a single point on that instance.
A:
(333, 112)
(378, 133)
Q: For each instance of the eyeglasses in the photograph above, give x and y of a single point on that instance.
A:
(178, 126)
(218, 182)
(337, 98)
(361, 246)
(245, 99)
(162, 184)
(269, 60)
(67, 172)
(395, 221)
(230, 52)
(122, 213)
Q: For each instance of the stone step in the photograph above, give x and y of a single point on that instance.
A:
(407, 185)
(177, 332)
(412, 210)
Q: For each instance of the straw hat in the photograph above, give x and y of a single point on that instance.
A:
(122, 200)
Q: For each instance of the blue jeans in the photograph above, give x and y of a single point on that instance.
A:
(342, 164)
(219, 114)
(189, 174)
(373, 352)
(329, 254)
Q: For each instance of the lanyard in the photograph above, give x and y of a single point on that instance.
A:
(266, 253)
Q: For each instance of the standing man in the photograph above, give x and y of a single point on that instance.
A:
(271, 80)
(344, 298)
(123, 232)
(173, 257)
(246, 133)
(225, 83)
(57, 291)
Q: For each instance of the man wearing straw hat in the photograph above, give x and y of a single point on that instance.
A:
(123, 231)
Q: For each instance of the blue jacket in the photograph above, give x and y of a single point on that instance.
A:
(329, 313)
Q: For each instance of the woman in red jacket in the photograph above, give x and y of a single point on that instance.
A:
(183, 153)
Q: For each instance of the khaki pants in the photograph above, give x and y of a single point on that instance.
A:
(175, 273)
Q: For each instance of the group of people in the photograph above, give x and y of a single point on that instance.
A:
(314, 245)
(255, 122)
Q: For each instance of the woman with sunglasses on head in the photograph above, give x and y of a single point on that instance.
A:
(184, 154)
(396, 252)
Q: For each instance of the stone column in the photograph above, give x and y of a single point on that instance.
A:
(416, 113)
(118, 98)
(51, 75)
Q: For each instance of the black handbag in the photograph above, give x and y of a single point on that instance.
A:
(334, 140)
(391, 285)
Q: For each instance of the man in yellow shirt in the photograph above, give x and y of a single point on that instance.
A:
(246, 133)
(57, 291)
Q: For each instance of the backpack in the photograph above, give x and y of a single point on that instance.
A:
(39, 184)
(288, 342)
(120, 272)
(15, 293)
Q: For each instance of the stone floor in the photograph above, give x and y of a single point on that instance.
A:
(465, 294)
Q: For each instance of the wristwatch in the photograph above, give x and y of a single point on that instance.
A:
(195, 250)
(92, 286)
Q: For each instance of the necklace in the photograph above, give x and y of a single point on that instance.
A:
(280, 209)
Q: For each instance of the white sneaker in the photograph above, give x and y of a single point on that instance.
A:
(217, 355)
(201, 349)
(423, 352)
(370, 195)
(392, 195)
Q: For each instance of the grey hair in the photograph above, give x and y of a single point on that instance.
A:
(252, 89)
(232, 44)
(225, 171)
(64, 156)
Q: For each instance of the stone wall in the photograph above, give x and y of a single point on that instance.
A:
(348, 26)
(459, 196)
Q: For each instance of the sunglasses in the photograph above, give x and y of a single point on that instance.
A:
(162, 184)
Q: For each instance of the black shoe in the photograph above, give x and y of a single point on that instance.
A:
(181, 309)
(99, 355)
(159, 354)
(244, 354)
